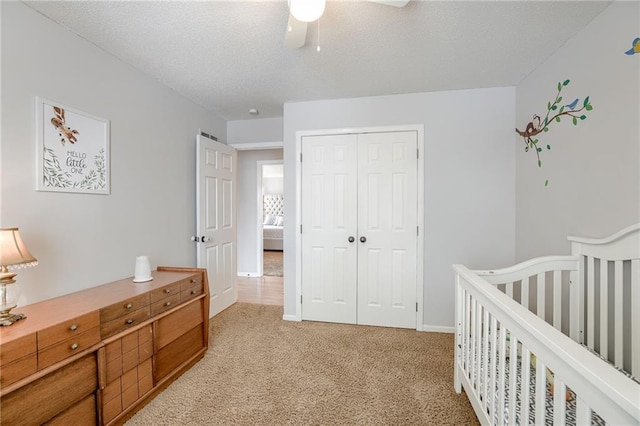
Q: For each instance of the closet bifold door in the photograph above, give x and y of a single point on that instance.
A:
(359, 228)
(329, 247)
(387, 220)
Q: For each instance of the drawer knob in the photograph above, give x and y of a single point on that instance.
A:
(129, 321)
(194, 291)
(193, 281)
(129, 306)
(73, 327)
(166, 290)
(167, 304)
(74, 346)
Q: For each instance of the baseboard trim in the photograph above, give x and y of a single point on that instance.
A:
(249, 274)
(286, 317)
(438, 329)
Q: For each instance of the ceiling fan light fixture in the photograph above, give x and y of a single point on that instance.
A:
(307, 10)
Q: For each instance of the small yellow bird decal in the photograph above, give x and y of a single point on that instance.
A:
(635, 47)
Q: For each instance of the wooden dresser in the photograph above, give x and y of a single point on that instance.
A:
(98, 355)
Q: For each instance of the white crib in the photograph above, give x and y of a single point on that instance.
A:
(553, 340)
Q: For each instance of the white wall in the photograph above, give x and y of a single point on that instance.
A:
(272, 185)
(247, 207)
(85, 240)
(593, 168)
(256, 130)
(469, 173)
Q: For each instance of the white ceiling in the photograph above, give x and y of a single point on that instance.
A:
(228, 56)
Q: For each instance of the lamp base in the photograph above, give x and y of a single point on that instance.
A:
(10, 319)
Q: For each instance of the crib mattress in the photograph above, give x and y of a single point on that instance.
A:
(272, 232)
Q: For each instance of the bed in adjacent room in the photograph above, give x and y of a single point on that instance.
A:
(273, 221)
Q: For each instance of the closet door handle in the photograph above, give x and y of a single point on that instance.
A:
(363, 239)
(351, 239)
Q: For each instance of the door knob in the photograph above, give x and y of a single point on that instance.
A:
(351, 239)
(363, 239)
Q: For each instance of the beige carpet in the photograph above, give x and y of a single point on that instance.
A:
(260, 370)
(272, 262)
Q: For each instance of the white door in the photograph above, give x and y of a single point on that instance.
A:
(216, 220)
(329, 204)
(362, 187)
(387, 229)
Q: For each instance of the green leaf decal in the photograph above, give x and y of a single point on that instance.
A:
(586, 102)
(566, 82)
(539, 163)
(583, 117)
(548, 105)
(559, 100)
(554, 107)
(539, 149)
(549, 147)
(589, 107)
(558, 119)
(559, 86)
(575, 121)
(546, 182)
(546, 129)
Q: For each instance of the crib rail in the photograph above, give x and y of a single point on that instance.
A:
(609, 277)
(547, 276)
(499, 342)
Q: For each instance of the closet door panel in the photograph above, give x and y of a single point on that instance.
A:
(387, 219)
(329, 203)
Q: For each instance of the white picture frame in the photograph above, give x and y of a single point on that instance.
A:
(72, 150)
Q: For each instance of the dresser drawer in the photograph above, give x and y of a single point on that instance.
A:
(43, 399)
(19, 369)
(177, 323)
(192, 291)
(117, 310)
(82, 413)
(52, 335)
(165, 304)
(194, 280)
(121, 324)
(166, 291)
(68, 347)
(18, 348)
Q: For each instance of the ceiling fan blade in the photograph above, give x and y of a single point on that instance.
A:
(296, 33)
(396, 3)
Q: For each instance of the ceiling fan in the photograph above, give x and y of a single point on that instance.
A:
(301, 12)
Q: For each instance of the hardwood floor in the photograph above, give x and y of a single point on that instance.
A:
(263, 291)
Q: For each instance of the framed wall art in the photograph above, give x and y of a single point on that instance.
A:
(72, 150)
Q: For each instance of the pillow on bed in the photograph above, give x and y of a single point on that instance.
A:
(279, 221)
(269, 219)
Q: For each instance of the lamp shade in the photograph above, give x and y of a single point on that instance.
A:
(13, 252)
(307, 10)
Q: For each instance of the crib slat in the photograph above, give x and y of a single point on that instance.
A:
(635, 317)
(473, 356)
(541, 391)
(575, 307)
(591, 298)
(583, 412)
(604, 313)
(618, 301)
(513, 377)
(557, 300)
(509, 290)
(541, 284)
(484, 368)
(502, 372)
(478, 337)
(492, 368)
(524, 293)
(466, 336)
(525, 389)
(559, 401)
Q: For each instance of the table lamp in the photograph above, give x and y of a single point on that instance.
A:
(13, 255)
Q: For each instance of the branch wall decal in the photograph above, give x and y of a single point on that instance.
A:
(556, 110)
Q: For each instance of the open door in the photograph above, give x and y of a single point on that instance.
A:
(216, 220)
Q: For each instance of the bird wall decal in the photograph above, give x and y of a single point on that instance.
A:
(635, 47)
(538, 125)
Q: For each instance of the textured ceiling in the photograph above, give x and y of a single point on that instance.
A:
(228, 56)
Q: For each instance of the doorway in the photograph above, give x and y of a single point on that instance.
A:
(270, 214)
